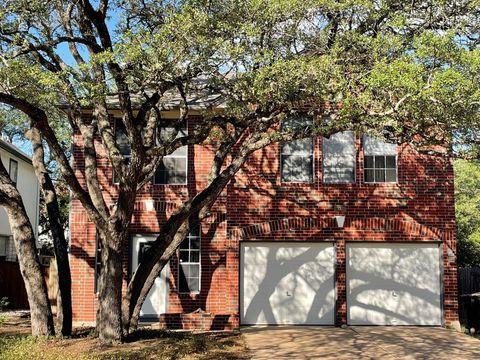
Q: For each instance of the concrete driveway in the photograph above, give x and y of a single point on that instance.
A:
(359, 343)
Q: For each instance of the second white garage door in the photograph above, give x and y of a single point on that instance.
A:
(393, 284)
(287, 283)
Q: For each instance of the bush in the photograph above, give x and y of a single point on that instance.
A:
(467, 205)
(4, 303)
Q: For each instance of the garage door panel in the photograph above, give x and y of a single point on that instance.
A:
(287, 283)
(393, 284)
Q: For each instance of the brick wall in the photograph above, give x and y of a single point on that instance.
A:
(257, 206)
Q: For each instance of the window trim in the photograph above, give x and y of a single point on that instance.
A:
(354, 181)
(179, 263)
(98, 263)
(384, 170)
(178, 157)
(13, 161)
(281, 154)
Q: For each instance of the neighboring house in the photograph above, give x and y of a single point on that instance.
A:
(346, 230)
(19, 166)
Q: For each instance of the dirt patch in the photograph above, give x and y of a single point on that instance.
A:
(14, 323)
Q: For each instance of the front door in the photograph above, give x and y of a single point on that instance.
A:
(156, 301)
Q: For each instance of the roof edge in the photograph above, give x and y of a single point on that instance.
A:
(12, 149)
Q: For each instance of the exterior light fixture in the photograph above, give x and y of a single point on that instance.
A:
(340, 221)
(149, 205)
(450, 255)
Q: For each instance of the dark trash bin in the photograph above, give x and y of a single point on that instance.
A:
(471, 306)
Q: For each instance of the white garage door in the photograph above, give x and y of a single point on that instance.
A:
(393, 284)
(287, 283)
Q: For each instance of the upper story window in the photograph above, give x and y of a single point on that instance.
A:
(173, 168)
(121, 138)
(189, 267)
(7, 249)
(339, 158)
(380, 161)
(296, 157)
(123, 144)
(3, 246)
(13, 171)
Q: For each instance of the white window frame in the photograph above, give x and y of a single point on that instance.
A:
(176, 157)
(199, 263)
(312, 179)
(11, 162)
(377, 169)
(376, 147)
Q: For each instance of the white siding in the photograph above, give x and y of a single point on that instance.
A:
(28, 187)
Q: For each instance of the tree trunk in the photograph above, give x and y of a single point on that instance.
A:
(24, 238)
(109, 312)
(64, 295)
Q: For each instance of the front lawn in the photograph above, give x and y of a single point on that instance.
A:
(15, 343)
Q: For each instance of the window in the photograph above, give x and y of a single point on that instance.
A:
(296, 157)
(3, 246)
(144, 247)
(380, 161)
(189, 263)
(121, 138)
(173, 168)
(98, 262)
(13, 171)
(126, 161)
(123, 144)
(7, 249)
(339, 158)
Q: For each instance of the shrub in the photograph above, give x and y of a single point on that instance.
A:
(4, 303)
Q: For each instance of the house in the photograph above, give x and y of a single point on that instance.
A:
(19, 166)
(345, 230)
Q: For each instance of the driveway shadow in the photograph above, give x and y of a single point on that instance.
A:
(369, 342)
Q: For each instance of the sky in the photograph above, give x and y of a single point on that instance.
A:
(63, 51)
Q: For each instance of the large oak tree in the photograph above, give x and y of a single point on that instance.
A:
(391, 68)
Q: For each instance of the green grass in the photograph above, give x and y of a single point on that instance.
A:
(145, 344)
(26, 348)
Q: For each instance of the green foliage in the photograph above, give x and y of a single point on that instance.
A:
(29, 348)
(4, 302)
(467, 211)
(380, 64)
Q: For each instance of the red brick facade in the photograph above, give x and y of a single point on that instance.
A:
(258, 206)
